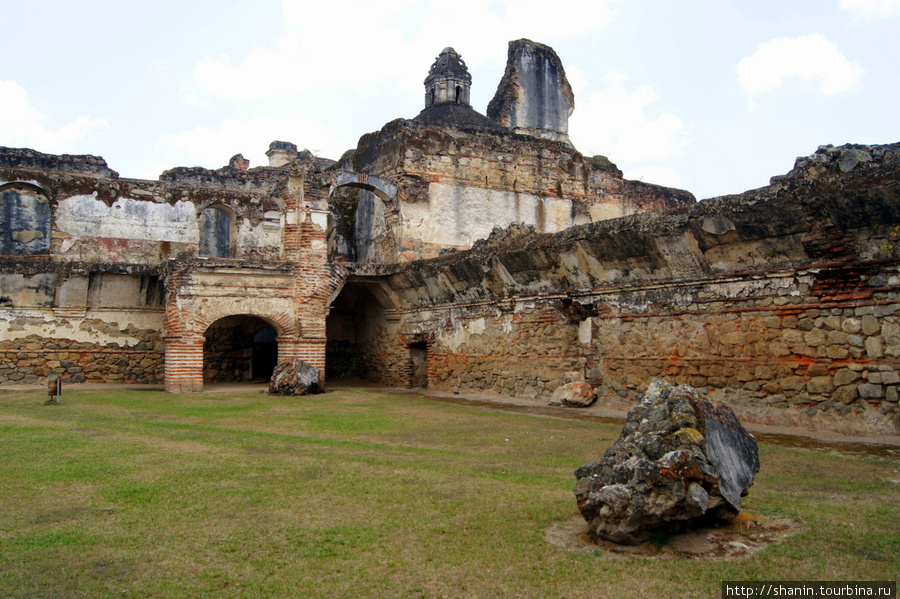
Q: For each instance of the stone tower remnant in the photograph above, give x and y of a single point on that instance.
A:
(281, 153)
(534, 97)
(448, 80)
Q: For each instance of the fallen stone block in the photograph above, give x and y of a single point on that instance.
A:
(574, 395)
(680, 462)
(295, 378)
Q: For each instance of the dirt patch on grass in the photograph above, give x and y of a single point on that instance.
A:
(746, 535)
(69, 513)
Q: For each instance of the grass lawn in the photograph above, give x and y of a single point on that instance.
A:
(362, 494)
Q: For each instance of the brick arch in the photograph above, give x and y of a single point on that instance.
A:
(240, 348)
(198, 296)
(383, 188)
(281, 322)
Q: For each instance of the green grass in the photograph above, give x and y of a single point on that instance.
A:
(359, 494)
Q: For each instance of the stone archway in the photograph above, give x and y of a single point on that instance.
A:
(362, 341)
(384, 189)
(239, 348)
(352, 329)
(363, 220)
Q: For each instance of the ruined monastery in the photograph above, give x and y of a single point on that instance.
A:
(463, 252)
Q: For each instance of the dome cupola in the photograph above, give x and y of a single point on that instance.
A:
(448, 80)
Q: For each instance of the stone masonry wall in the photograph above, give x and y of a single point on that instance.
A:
(770, 348)
(455, 184)
(33, 358)
(784, 302)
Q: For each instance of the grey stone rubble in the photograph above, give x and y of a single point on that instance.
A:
(296, 378)
(829, 159)
(681, 461)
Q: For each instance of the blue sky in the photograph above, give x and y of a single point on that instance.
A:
(714, 96)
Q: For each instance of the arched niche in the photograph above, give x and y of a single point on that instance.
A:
(217, 228)
(24, 220)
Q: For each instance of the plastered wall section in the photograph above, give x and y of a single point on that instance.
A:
(90, 326)
(458, 216)
(143, 231)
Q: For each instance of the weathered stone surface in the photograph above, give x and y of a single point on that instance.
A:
(680, 460)
(296, 378)
(574, 395)
(534, 96)
(784, 300)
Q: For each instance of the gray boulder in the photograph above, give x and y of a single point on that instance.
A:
(681, 461)
(295, 378)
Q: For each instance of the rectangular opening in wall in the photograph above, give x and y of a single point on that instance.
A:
(125, 291)
(418, 354)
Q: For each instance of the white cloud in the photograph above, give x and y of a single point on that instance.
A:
(21, 124)
(211, 147)
(615, 121)
(872, 9)
(810, 57)
(363, 45)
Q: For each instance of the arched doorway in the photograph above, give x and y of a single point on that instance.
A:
(239, 348)
(351, 329)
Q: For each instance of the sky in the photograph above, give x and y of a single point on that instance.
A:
(712, 96)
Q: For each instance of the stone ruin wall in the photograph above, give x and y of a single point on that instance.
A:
(784, 302)
(91, 303)
(456, 184)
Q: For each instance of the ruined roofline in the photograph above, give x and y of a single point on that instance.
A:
(827, 167)
(864, 197)
(486, 136)
(423, 126)
(258, 179)
(261, 178)
(45, 263)
(81, 164)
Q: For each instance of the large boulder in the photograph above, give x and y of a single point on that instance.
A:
(295, 378)
(680, 461)
(574, 395)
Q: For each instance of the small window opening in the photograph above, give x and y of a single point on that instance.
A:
(216, 230)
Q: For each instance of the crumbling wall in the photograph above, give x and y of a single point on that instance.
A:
(456, 183)
(784, 301)
(85, 294)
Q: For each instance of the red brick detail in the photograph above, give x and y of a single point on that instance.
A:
(184, 366)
